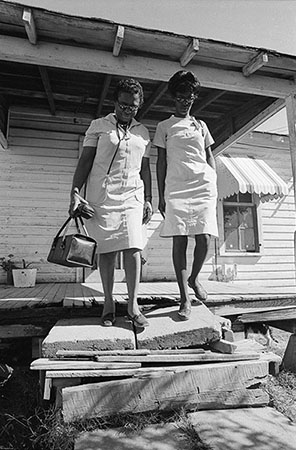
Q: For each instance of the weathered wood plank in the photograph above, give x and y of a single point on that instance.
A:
(202, 401)
(269, 316)
(136, 352)
(121, 373)
(77, 58)
(51, 364)
(113, 397)
(167, 358)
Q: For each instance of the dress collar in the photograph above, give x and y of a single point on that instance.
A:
(111, 117)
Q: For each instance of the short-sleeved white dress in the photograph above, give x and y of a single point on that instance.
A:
(116, 191)
(191, 183)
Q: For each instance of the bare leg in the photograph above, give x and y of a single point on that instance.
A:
(180, 265)
(202, 243)
(107, 266)
(132, 267)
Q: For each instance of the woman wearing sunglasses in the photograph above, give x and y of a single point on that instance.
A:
(114, 165)
(186, 180)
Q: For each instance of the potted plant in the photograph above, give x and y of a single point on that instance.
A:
(25, 276)
(7, 264)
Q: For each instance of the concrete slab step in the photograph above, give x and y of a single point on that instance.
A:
(154, 437)
(166, 330)
(261, 428)
(88, 333)
(233, 429)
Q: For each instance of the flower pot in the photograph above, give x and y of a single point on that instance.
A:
(24, 277)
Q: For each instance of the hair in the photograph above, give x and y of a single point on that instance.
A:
(130, 86)
(183, 82)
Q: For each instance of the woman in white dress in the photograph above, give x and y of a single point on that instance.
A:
(187, 189)
(114, 165)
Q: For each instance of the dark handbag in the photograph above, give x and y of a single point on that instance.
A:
(73, 250)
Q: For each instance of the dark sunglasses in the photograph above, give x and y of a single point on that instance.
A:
(128, 108)
(186, 101)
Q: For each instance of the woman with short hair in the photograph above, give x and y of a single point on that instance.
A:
(114, 165)
(187, 189)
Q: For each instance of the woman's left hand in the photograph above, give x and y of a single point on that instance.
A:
(147, 212)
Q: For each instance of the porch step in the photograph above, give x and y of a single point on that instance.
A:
(166, 330)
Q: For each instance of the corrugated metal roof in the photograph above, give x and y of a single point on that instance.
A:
(246, 174)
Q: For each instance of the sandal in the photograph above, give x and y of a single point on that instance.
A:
(108, 320)
(139, 320)
(199, 291)
(184, 312)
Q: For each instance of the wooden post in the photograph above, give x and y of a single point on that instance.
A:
(291, 118)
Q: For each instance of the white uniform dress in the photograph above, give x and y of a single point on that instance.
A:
(117, 196)
(191, 183)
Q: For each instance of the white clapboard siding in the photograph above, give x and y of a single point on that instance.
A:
(275, 264)
(35, 180)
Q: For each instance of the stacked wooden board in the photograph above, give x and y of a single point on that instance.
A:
(103, 383)
(101, 371)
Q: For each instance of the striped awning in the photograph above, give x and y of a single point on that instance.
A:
(247, 174)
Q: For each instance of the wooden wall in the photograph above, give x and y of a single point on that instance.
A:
(35, 178)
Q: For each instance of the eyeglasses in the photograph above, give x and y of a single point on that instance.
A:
(186, 101)
(128, 108)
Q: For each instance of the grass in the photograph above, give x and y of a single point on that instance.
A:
(282, 391)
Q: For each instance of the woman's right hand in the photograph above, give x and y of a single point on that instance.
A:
(75, 200)
(161, 207)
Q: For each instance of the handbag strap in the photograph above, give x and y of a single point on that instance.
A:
(64, 228)
(117, 147)
(82, 224)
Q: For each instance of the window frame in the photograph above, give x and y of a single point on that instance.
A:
(257, 226)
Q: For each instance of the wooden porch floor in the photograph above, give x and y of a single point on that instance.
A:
(85, 294)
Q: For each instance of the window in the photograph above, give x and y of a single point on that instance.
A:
(240, 223)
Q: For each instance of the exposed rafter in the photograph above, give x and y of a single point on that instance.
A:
(92, 60)
(255, 64)
(47, 88)
(29, 23)
(272, 109)
(106, 85)
(161, 89)
(118, 40)
(190, 52)
(210, 98)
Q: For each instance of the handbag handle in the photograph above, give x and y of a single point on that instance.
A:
(64, 228)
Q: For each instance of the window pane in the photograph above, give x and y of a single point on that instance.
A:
(246, 217)
(249, 240)
(245, 198)
(230, 217)
(231, 239)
